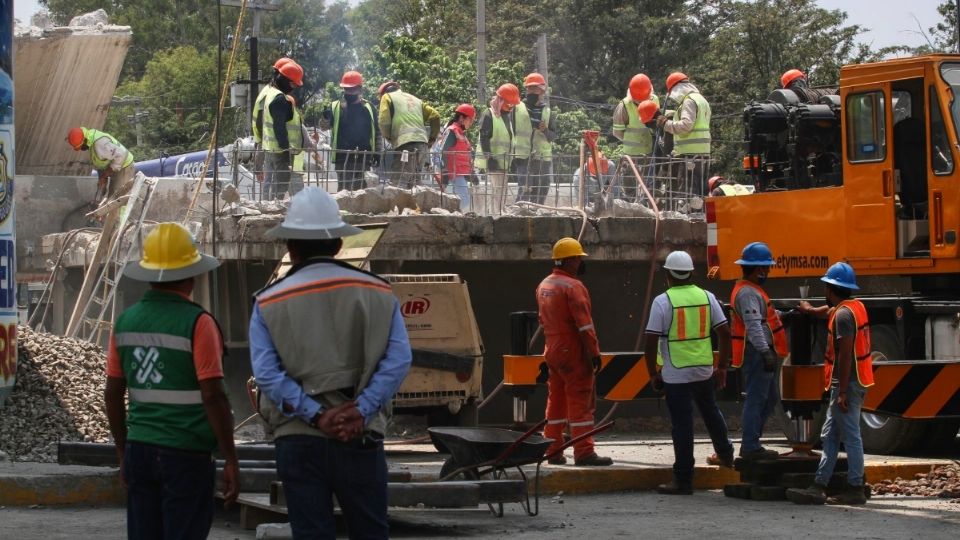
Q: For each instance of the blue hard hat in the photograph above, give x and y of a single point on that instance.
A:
(756, 254)
(841, 275)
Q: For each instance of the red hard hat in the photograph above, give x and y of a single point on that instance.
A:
(467, 110)
(674, 78)
(534, 79)
(292, 71)
(790, 76)
(281, 62)
(384, 86)
(713, 182)
(592, 166)
(75, 137)
(509, 93)
(647, 109)
(351, 79)
(640, 87)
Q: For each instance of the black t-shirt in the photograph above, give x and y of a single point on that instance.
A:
(843, 325)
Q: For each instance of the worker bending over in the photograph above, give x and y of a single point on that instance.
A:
(113, 162)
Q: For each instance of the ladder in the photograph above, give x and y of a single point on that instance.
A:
(95, 308)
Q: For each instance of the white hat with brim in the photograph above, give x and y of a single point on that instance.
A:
(134, 270)
(283, 230)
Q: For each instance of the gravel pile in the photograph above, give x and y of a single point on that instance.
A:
(58, 396)
(942, 481)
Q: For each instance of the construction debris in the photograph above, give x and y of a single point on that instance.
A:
(942, 481)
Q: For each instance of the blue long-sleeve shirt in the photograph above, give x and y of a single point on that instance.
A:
(283, 390)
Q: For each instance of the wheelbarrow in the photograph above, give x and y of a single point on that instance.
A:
(478, 452)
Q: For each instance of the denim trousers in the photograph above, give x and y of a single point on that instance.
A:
(462, 190)
(315, 469)
(843, 427)
(763, 393)
(169, 492)
(680, 401)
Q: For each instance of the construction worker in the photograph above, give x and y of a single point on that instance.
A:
(256, 119)
(457, 153)
(165, 354)
(404, 119)
(596, 180)
(113, 162)
(572, 353)
(281, 130)
(690, 127)
(329, 350)
(354, 132)
(847, 373)
(759, 343)
(496, 141)
(534, 130)
(796, 81)
(719, 186)
(679, 328)
(637, 138)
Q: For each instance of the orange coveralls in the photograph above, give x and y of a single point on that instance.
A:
(564, 305)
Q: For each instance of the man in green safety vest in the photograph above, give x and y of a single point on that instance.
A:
(534, 130)
(496, 143)
(679, 328)
(281, 130)
(636, 137)
(404, 119)
(354, 133)
(689, 124)
(113, 162)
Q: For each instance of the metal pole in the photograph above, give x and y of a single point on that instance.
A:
(542, 57)
(956, 25)
(482, 51)
(254, 71)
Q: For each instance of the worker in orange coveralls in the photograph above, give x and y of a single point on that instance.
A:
(572, 353)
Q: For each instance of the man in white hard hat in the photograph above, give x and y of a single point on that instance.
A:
(345, 352)
(679, 327)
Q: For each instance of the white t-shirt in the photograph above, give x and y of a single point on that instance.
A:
(661, 317)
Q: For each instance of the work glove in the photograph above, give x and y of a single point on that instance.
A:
(596, 364)
(770, 360)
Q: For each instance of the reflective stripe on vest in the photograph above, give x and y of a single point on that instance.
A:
(90, 136)
(861, 344)
(500, 143)
(527, 141)
(689, 337)
(637, 138)
(293, 126)
(697, 141)
(733, 190)
(738, 329)
(407, 123)
(335, 130)
(166, 397)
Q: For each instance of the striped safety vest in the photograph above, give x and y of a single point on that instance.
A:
(527, 141)
(697, 141)
(90, 136)
(689, 337)
(294, 126)
(407, 123)
(862, 349)
(637, 138)
(738, 329)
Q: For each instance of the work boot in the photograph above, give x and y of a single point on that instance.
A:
(759, 454)
(850, 495)
(673, 488)
(724, 461)
(815, 494)
(593, 460)
(558, 459)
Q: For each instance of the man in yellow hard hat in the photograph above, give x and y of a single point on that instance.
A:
(572, 353)
(166, 353)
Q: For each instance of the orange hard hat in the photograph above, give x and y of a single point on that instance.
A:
(790, 76)
(640, 87)
(383, 87)
(674, 78)
(292, 71)
(281, 62)
(534, 79)
(509, 93)
(647, 109)
(351, 79)
(75, 137)
(713, 182)
(604, 165)
(467, 110)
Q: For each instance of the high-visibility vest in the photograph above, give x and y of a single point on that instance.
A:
(407, 123)
(90, 136)
(637, 138)
(257, 109)
(697, 141)
(733, 190)
(527, 141)
(861, 344)
(294, 126)
(458, 156)
(500, 144)
(738, 329)
(335, 130)
(689, 337)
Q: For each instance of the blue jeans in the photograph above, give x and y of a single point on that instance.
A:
(461, 190)
(843, 427)
(763, 393)
(314, 469)
(169, 492)
(680, 400)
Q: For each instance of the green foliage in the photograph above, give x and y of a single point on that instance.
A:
(944, 33)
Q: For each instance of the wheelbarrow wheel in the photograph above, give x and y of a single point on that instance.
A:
(450, 465)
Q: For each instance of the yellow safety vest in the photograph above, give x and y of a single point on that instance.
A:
(407, 123)
(90, 136)
(335, 130)
(257, 107)
(689, 336)
(637, 138)
(529, 142)
(732, 190)
(500, 144)
(294, 127)
(697, 141)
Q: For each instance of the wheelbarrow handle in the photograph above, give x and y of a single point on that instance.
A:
(578, 438)
(516, 444)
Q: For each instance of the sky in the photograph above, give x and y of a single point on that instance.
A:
(891, 22)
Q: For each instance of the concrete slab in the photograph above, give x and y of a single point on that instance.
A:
(49, 484)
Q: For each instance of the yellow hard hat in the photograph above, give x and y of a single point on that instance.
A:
(169, 254)
(567, 247)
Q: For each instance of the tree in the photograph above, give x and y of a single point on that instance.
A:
(448, 24)
(944, 34)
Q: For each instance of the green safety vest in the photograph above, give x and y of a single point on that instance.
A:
(527, 141)
(698, 140)
(689, 336)
(257, 107)
(407, 123)
(637, 138)
(154, 338)
(335, 130)
(294, 126)
(90, 136)
(500, 144)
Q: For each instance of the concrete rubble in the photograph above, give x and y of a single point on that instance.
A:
(942, 481)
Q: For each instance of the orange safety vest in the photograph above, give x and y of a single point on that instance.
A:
(861, 345)
(738, 330)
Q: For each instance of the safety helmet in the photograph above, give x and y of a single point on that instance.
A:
(313, 215)
(75, 137)
(292, 70)
(604, 165)
(679, 264)
(714, 181)
(646, 110)
(534, 79)
(674, 78)
(281, 62)
(467, 110)
(386, 86)
(789, 76)
(640, 87)
(509, 93)
(169, 254)
(567, 247)
(841, 275)
(756, 254)
(351, 79)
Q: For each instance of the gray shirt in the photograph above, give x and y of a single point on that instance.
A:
(843, 325)
(661, 317)
(750, 306)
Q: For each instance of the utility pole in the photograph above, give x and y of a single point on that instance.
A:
(482, 51)
(137, 117)
(258, 7)
(542, 60)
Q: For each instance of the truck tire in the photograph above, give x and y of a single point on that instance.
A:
(941, 436)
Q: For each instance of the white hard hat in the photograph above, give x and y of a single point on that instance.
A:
(313, 215)
(679, 264)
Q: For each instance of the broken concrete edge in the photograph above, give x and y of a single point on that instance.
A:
(99, 489)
